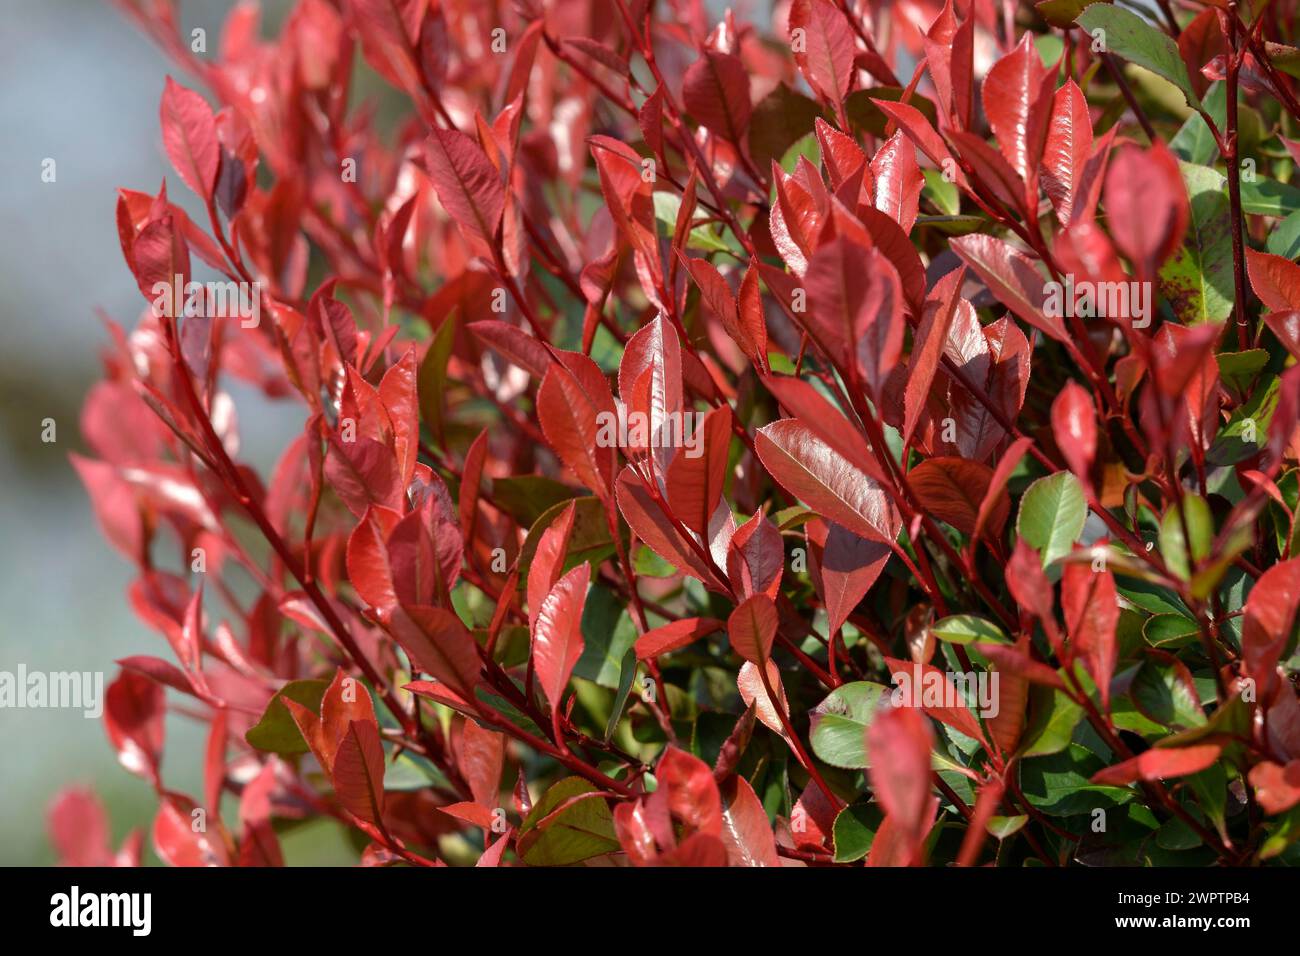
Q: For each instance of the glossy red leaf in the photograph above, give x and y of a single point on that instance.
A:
(715, 90)
(358, 772)
(1066, 152)
(752, 628)
(1274, 279)
(557, 635)
(134, 708)
(952, 489)
(1090, 604)
(189, 134)
(826, 54)
(1159, 764)
(1074, 426)
(898, 742)
(675, 635)
(811, 470)
(468, 186)
(697, 474)
(746, 833)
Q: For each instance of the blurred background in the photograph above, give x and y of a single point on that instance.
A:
(79, 85)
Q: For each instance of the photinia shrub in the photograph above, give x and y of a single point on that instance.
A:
(866, 433)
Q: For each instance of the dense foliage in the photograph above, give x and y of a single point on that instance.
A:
(862, 433)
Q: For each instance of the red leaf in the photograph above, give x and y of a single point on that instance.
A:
(647, 520)
(438, 644)
(650, 385)
(898, 180)
(993, 496)
(345, 700)
(1277, 788)
(756, 558)
(359, 772)
(918, 129)
(557, 635)
(746, 833)
(826, 55)
(696, 475)
(687, 785)
(752, 628)
(841, 155)
(367, 560)
(1069, 144)
(1146, 204)
(189, 133)
(568, 406)
(913, 679)
(846, 565)
(1090, 604)
(1017, 97)
(79, 829)
(951, 489)
(1159, 764)
(857, 309)
(134, 707)
(674, 636)
(468, 185)
(750, 684)
(811, 470)
(1275, 280)
(1270, 618)
(1074, 426)
(898, 742)
(178, 843)
(940, 306)
(1012, 278)
(548, 561)
(715, 90)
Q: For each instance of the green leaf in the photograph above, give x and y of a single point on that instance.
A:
(839, 723)
(1053, 717)
(966, 628)
(582, 830)
(1239, 369)
(1194, 142)
(942, 193)
(1138, 41)
(431, 378)
(701, 237)
(1003, 827)
(779, 119)
(1161, 693)
(1247, 428)
(1052, 514)
(276, 732)
(1060, 784)
(864, 113)
(1268, 197)
(855, 828)
(627, 674)
(1284, 240)
(589, 540)
(1200, 528)
(608, 635)
(1169, 630)
(527, 497)
(1198, 281)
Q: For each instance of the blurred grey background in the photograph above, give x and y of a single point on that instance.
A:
(80, 85)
